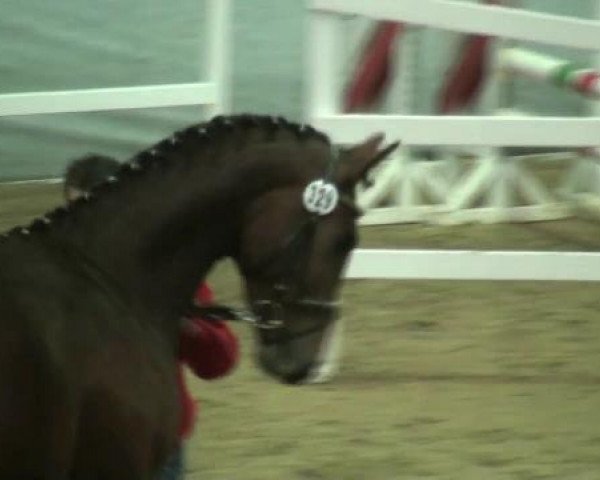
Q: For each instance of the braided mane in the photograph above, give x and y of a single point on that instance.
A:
(217, 130)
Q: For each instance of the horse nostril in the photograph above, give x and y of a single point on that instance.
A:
(285, 372)
(296, 378)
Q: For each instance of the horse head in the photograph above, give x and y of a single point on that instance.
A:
(296, 239)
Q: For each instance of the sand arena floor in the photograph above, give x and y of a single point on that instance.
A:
(440, 380)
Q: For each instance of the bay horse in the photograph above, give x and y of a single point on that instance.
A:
(92, 293)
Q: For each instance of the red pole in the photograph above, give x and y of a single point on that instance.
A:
(468, 73)
(372, 73)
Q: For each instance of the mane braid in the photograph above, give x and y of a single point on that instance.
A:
(159, 155)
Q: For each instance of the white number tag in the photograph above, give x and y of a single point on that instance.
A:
(320, 197)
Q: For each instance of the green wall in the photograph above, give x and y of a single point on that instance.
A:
(64, 44)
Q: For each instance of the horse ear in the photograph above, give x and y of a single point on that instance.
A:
(359, 159)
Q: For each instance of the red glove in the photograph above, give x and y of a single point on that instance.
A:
(204, 295)
(209, 348)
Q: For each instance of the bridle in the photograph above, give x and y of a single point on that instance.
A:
(320, 198)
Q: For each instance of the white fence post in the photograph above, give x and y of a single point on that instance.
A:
(219, 53)
(324, 53)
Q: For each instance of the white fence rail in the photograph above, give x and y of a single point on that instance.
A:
(461, 130)
(548, 69)
(474, 265)
(87, 100)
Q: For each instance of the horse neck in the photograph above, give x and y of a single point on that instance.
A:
(158, 237)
